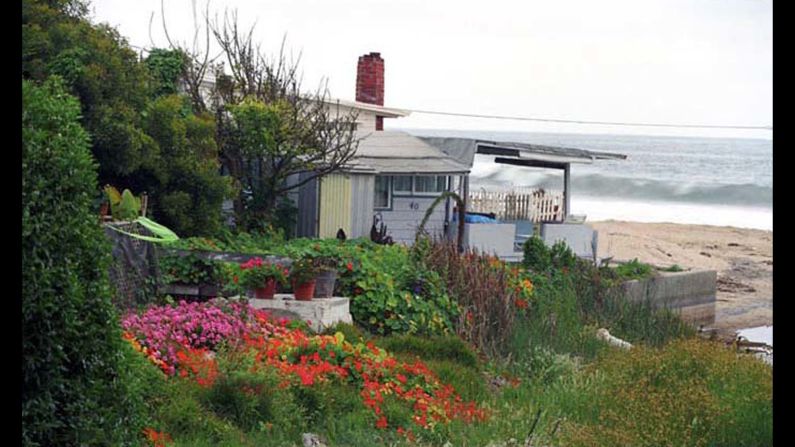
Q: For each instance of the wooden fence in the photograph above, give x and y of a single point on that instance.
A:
(535, 205)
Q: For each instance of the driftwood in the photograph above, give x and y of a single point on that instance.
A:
(603, 334)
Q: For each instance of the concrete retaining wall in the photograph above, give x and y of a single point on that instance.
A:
(691, 294)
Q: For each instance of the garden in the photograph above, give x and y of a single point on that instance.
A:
(446, 348)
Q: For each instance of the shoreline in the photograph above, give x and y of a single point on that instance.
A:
(742, 257)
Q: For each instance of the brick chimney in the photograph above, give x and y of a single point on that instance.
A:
(370, 83)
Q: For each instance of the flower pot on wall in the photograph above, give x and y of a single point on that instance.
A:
(267, 292)
(304, 291)
(324, 283)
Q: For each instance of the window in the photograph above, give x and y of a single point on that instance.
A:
(401, 184)
(382, 192)
(429, 184)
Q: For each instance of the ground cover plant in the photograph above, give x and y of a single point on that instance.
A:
(237, 358)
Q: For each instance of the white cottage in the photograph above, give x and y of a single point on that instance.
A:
(392, 180)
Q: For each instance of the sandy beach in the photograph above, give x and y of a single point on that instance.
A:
(742, 257)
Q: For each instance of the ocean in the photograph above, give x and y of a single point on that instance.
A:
(692, 180)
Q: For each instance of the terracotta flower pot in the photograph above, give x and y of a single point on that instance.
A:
(267, 292)
(305, 291)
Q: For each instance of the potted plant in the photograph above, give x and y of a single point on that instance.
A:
(302, 275)
(262, 277)
(326, 277)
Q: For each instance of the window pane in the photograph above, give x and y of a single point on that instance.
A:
(402, 183)
(424, 183)
(441, 183)
(381, 191)
(429, 183)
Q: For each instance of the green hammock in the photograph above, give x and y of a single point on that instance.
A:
(162, 234)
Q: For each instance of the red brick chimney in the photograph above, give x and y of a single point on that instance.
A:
(370, 83)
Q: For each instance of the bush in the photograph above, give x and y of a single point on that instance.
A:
(634, 269)
(488, 292)
(540, 259)
(72, 387)
(536, 255)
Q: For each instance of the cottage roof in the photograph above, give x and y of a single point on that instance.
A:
(464, 150)
(387, 112)
(396, 152)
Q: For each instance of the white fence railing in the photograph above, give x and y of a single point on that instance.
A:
(535, 205)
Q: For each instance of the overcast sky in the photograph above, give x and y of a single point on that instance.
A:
(669, 61)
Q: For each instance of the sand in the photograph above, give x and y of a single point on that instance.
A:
(742, 257)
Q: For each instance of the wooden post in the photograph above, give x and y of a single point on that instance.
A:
(566, 190)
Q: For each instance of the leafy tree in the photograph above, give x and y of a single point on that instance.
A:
(143, 137)
(166, 67)
(102, 71)
(189, 189)
(74, 391)
(272, 137)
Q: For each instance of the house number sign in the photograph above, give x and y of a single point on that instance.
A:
(414, 205)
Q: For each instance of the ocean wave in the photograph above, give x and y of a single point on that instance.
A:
(628, 188)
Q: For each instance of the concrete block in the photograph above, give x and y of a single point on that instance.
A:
(319, 313)
(491, 238)
(579, 237)
(691, 294)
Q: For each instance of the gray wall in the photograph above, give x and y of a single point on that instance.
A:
(402, 220)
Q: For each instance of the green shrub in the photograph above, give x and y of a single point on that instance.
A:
(485, 288)
(561, 256)
(634, 269)
(73, 390)
(536, 255)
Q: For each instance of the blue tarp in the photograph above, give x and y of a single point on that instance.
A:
(476, 218)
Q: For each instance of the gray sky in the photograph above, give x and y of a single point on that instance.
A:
(670, 61)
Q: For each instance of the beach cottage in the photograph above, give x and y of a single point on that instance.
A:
(392, 180)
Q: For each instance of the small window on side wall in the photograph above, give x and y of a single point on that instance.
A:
(382, 192)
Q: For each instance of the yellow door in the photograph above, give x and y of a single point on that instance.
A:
(335, 205)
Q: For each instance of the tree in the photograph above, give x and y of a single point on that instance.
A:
(143, 139)
(102, 71)
(269, 131)
(74, 390)
(189, 189)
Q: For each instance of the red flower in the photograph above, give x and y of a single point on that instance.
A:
(350, 266)
(520, 303)
(235, 279)
(381, 422)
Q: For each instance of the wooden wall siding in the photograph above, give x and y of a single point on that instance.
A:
(335, 205)
(307, 208)
(362, 201)
(529, 205)
(402, 221)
